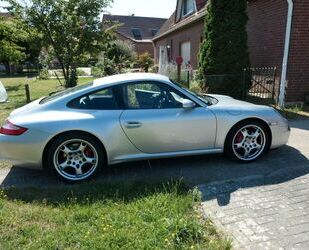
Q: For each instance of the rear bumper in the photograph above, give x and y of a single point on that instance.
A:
(25, 150)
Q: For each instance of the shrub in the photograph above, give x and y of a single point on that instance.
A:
(121, 55)
(145, 61)
(44, 74)
(154, 68)
(224, 53)
(97, 71)
(80, 72)
(170, 70)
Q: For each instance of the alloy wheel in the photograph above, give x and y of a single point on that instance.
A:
(249, 142)
(76, 159)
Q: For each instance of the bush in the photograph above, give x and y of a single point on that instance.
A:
(97, 71)
(44, 74)
(145, 61)
(224, 52)
(154, 68)
(119, 57)
(170, 70)
(80, 72)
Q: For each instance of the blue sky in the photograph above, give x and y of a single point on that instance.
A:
(150, 8)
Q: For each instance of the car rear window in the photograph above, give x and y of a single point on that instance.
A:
(56, 95)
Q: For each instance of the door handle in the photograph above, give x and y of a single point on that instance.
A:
(133, 124)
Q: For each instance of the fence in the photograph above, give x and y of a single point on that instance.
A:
(257, 85)
(263, 88)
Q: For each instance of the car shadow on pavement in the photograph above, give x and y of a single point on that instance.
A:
(287, 164)
(218, 175)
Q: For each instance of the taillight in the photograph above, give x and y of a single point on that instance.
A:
(11, 129)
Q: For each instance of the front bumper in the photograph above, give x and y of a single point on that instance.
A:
(25, 150)
(280, 134)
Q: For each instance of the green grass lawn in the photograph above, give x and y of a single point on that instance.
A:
(105, 216)
(99, 215)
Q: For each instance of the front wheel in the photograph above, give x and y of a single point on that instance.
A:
(75, 157)
(247, 141)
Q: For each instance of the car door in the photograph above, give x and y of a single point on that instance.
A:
(156, 122)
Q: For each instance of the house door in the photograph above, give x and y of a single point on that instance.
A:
(185, 52)
(163, 59)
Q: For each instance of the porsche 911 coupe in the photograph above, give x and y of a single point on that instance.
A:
(80, 131)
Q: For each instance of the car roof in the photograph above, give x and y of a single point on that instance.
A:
(129, 77)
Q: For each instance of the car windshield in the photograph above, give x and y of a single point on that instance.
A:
(208, 100)
(55, 95)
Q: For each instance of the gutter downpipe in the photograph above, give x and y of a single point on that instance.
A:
(286, 54)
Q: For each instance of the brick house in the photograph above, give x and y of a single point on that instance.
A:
(181, 35)
(136, 30)
(278, 36)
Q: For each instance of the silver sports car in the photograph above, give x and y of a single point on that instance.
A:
(80, 131)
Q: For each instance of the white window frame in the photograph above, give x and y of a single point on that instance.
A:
(183, 8)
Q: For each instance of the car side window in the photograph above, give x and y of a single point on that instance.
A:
(151, 95)
(104, 99)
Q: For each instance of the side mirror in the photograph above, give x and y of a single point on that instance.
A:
(188, 104)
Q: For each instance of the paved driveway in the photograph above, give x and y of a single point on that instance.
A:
(268, 210)
(262, 204)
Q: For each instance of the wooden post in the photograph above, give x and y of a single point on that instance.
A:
(188, 79)
(178, 73)
(28, 99)
(179, 61)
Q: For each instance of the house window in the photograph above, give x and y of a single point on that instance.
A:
(188, 7)
(137, 34)
(154, 32)
(185, 52)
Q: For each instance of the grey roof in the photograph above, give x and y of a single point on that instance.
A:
(146, 25)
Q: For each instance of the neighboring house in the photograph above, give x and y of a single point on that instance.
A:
(181, 35)
(137, 30)
(268, 40)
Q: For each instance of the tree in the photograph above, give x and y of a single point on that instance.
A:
(15, 42)
(224, 50)
(72, 28)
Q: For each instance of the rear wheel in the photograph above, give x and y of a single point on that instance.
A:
(75, 157)
(247, 141)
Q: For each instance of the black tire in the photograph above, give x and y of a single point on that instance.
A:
(232, 150)
(95, 147)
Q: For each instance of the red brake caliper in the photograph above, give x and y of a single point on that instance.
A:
(239, 137)
(88, 152)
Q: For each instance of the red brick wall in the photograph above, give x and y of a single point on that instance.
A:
(200, 4)
(192, 33)
(266, 37)
(142, 47)
(298, 66)
(266, 32)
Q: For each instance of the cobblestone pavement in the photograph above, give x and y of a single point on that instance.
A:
(266, 211)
